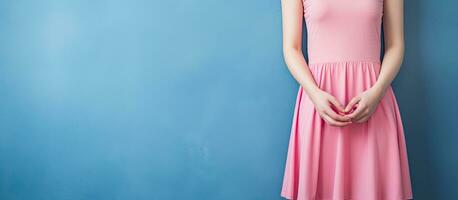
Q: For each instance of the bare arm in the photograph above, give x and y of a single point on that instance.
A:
(393, 26)
(292, 15)
(394, 54)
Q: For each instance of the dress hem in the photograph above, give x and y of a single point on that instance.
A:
(288, 197)
(318, 62)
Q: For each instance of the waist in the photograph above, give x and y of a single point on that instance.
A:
(343, 50)
(340, 61)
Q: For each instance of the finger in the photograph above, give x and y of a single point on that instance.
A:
(336, 116)
(363, 119)
(334, 122)
(352, 109)
(363, 114)
(358, 111)
(360, 118)
(336, 104)
(351, 104)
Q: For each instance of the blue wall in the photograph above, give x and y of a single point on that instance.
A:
(427, 94)
(107, 99)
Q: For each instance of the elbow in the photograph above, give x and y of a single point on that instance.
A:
(400, 48)
(397, 48)
(289, 50)
(401, 51)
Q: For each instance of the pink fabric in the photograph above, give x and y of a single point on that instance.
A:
(361, 161)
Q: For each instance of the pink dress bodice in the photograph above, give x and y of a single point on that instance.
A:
(343, 30)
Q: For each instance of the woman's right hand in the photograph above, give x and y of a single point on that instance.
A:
(324, 103)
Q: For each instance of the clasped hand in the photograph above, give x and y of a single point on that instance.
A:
(358, 110)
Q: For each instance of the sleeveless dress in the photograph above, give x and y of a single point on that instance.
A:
(361, 161)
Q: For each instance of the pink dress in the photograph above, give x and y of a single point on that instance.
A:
(365, 161)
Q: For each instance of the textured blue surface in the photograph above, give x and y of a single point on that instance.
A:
(107, 99)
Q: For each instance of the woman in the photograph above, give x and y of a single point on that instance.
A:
(347, 139)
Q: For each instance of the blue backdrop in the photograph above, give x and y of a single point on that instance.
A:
(117, 99)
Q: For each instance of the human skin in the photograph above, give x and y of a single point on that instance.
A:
(362, 106)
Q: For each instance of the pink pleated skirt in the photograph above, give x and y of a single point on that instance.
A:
(361, 161)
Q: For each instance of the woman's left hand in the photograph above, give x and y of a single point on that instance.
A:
(366, 103)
